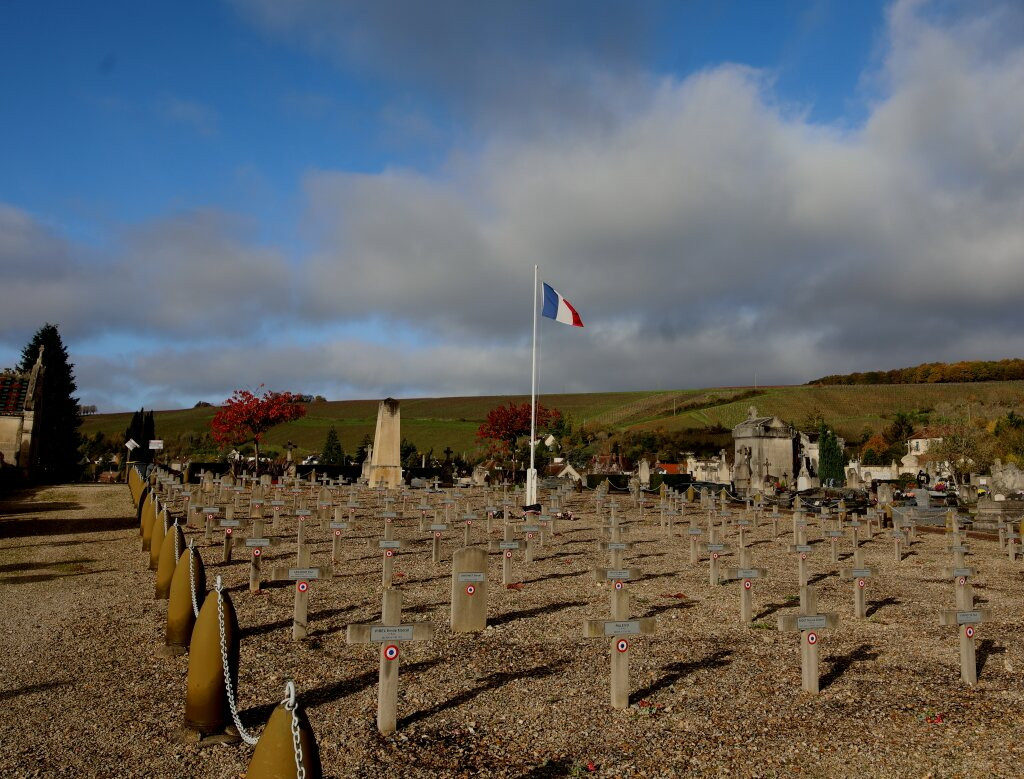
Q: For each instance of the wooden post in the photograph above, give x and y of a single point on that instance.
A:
(694, 532)
(436, 530)
(808, 622)
(390, 633)
(802, 549)
(897, 543)
(229, 523)
(506, 546)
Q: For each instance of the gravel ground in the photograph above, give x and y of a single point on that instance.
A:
(85, 694)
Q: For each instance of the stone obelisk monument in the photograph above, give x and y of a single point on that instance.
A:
(385, 460)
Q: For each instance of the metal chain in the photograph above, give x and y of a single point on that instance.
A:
(177, 552)
(192, 576)
(291, 706)
(250, 740)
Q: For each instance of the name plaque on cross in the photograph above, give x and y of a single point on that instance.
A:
(530, 528)
(618, 545)
(303, 573)
(968, 617)
(801, 548)
(716, 547)
(618, 573)
(229, 523)
(626, 628)
(748, 573)
(277, 503)
(961, 548)
(303, 512)
(508, 545)
(862, 573)
(257, 542)
(834, 533)
(813, 622)
(694, 531)
(339, 526)
(383, 544)
(958, 572)
(392, 633)
(464, 577)
(438, 527)
(211, 510)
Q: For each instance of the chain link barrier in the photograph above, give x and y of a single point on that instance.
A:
(292, 707)
(192, 576)
(246, 737)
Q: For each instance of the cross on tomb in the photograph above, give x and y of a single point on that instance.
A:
(859, 575)
(745, 574)
(808, 622)
(389, 633)
(619, 629)
(965, 620)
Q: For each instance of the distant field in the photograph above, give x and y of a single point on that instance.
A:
(438, 423)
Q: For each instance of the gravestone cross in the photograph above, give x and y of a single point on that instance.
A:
(469, 590)
(745, 574)
(389, 633)
(858, 574)
(808, 622)
(617, 629)
(965, 620)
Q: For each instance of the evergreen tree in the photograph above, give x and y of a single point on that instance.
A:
(141, 429)
(332, 454)
(365, 444)
(57, 419)
(830, 458)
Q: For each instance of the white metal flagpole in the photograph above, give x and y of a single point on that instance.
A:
(531, 475)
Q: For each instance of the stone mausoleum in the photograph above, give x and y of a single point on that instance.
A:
(19, 397)
(764, 452)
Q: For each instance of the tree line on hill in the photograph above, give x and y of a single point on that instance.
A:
(935, 373)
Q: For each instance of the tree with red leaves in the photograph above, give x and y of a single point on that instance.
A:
(246, 416)
(505, 425)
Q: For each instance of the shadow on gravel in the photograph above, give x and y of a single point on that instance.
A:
(31, 688)
(258, 715)
(512, 616)
(15, 528)
(875, 605)
(490, 682)
(770, 609)
(546, 577)
(12, 567)
(841, 663)
(986, 648)
(677, 671)
(28, 507)
(48, 577)
(553, 769)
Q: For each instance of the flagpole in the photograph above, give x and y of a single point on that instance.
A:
(531, 475)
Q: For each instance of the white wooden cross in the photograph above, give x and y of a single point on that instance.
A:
(965, 620)
(745, 574)
(859, 575)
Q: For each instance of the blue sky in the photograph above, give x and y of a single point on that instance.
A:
(348, 198)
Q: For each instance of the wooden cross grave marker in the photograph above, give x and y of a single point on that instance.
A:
(302, 575)
(389, 633)
(467, 524)
(808, 622)
(715, 551)
(694, 531)
(801, 549)
(859, 575)
(617, 629)
(506, 546)
(390, 546)
(965, 618)
(745, 574)
(256, 543)
(436, 530)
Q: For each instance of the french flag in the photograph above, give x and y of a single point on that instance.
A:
(558, 308)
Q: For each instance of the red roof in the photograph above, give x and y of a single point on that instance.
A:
(670, 469)
(13, 391)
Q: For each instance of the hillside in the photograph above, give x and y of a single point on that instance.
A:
(452, 422)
